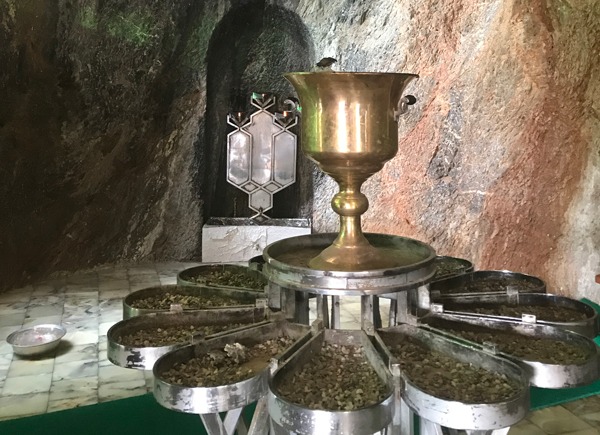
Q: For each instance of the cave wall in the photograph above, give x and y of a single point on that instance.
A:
(103, 132)
(499, 160)
(103, 128)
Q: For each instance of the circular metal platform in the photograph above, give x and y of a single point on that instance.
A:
(287, 265)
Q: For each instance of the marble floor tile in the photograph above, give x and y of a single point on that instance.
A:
(351, 324)
(592, 418)
(22, 405)
(24, 367)
(44, 311)
(584, 406)
(142, 286)
(73, 388)
(75, 369)
(81, 281)
(119, 293)
(116, 284)
(5, 347)
(112, 316)
(32, 321)
(82, 352)
(38, 383)
(10, 308)
(5, 331)
(47, 289)
(557, 420)
(591, 431)
(112, 373)
(110, 306)
(5, 360)
(526, 429)
(83, 399)
(44, 301)
(102, 343)
(22, 294)
(119, 390)
(104, 327)
(12, 320)
(82, 337)
(168, 280)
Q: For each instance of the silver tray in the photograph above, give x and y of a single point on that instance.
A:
(143, 358)
(456, 286)
(186, 276)
(467, 267)
(456, 414)
(208, 400)
(245, 298)
(297, 276)
(458, 307)
(293, 418)
(543, 375)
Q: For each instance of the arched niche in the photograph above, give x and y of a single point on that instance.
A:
(249, 50)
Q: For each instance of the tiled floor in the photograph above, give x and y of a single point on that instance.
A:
(88, 303)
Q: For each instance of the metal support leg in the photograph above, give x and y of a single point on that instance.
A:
(366, 311)
(260, 419)
(430, 428)
(232, 421)
(288, 302)
(406, 419)
(502, 431)
(405, 310)
(335, 312)
(323, 310)
(376, 312)
(301, 308)
(393, 312)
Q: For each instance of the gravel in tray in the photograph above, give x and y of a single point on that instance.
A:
(163, 302)
(493, 284)
(234, 363)
(338, 378)
(231, 279)
(528, 348)
(447, 267)
(170, 335)
(445, 377)
(547, 313)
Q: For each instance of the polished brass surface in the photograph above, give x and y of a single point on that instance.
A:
(349, 129)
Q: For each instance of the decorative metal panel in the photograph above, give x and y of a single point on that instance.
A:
(261, 151)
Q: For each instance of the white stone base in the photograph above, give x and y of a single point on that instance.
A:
(226, 243)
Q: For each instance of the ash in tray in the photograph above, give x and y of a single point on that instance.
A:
(338, 378)
(544, 350)
(230, 279)
(170, 335)
(231, 364)
(164, 302)
(448, 378)
(548, 313)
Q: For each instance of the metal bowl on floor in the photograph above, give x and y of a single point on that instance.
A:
(36, 340)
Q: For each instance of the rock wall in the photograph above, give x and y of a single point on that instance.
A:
(499, 160)
(106, 154)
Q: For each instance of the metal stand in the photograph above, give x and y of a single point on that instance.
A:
(369, 311)
(233, 422)
(275, 429)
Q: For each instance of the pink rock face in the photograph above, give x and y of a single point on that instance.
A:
(496, 162)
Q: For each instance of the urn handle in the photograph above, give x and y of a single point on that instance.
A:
(407, 100)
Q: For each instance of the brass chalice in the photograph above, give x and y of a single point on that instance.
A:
(349, 128)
